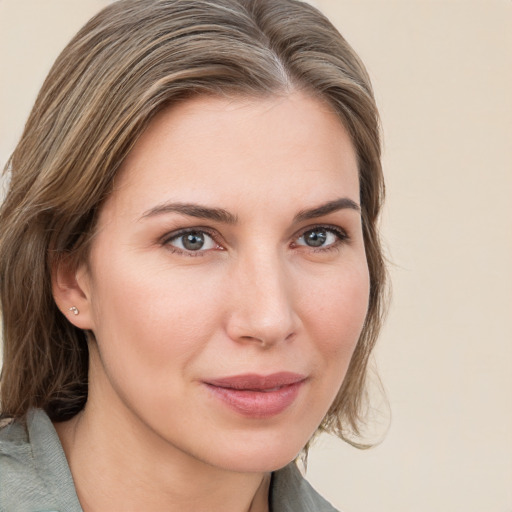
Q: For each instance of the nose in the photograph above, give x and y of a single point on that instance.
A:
(261, 302)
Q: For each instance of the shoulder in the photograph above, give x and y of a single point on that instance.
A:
(16, 459)
(29, 460)
(19, 478)
(291, 492)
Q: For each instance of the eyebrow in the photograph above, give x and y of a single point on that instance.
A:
(193, 210)
(221, 215)
(332, 206)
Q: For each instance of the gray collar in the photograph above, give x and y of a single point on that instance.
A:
(290, 492)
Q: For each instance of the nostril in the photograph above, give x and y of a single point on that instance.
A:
(264, 343)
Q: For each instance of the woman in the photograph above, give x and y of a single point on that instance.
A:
(191, 275)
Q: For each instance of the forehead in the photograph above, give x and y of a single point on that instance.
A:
(222, 149)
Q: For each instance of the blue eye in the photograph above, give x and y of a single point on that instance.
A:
(193, 241)
(320, 237)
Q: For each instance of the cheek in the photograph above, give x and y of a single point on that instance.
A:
(152, 331)
(336, 310)
(151, 315)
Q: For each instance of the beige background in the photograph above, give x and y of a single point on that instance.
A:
(442, 71)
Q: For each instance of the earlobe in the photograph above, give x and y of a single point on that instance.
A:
(71, 292)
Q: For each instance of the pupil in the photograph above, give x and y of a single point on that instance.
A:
(193, 241)
(316, 238)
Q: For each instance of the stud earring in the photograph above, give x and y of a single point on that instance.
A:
(74, 309)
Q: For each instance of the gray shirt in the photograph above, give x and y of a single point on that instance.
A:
(35, 476)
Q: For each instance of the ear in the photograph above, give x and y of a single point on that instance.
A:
(71, 288)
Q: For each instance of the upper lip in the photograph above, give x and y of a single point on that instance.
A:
(253, 381)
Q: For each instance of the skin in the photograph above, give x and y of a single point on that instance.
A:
(256, 298)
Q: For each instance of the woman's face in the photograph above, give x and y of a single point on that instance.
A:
(227, 284)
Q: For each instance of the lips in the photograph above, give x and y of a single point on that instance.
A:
(257, 396)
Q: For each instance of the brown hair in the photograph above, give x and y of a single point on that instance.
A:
(130, 61)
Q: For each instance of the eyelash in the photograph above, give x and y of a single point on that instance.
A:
(340, 234)
(166, 241)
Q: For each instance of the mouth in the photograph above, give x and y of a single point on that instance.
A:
(257, 396)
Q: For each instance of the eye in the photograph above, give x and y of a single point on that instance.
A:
(321, 237)
(192, 241)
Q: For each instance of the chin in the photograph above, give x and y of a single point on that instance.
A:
(259, 454)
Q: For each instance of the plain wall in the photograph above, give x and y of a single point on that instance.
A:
(443, 80)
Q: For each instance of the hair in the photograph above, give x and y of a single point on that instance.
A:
(129, 62)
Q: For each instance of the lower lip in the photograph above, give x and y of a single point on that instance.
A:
(258, 404)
